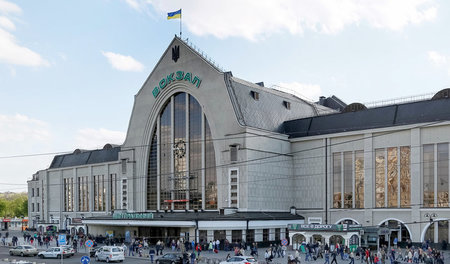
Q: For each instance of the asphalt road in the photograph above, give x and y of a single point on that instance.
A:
(4, 254)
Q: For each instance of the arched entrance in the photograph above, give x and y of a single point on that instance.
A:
(336, 239)
(436, 232)
(397, 232)
(354, 242)
(297, 240)
(316, 238)
(348, 221)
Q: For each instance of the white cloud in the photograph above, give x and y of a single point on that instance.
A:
(136, 4)
(311, 92)
(123, 63)
(440, 60)
(256, 19)
(90, 138)
(11, 52)
(437, 58)
(7, 24)
(22, 135)
(8, 7)
(18, 129)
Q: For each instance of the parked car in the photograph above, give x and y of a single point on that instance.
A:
(172, 258)
(54, 252)
(110, 253)
(23, 251)
(240, 260)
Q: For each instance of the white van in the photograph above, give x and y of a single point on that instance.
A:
(110, 253)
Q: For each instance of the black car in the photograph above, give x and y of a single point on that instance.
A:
(173, 258)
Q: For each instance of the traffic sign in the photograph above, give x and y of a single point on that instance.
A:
(284, 242)
(89, 243)
(62, 239)
(85, 260)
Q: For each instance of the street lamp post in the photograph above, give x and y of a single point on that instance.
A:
(431, 217)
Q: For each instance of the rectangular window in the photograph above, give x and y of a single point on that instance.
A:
(234, 188)
(250, 236)
(68, 194)
(442, 175)
(32, 192)
(203, 235)
(83, 194)
(428, 175)
(337, 195)
(233, 153)
(265, 235)
(405, 177)
(37, 207)
(392, 177)
(236, 236)
(380, 177)
(277, 234)
(99, 193)
(113, 190)
(348, 182)
(32, 207)
(124, 194)
(124, 166)
(359, 179)
(37, 192)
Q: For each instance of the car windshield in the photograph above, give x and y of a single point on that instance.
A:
(251, 260)
(115, 250)
(28, 247)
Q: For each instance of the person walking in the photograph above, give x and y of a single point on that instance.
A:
(352, 257)
(151, 253)
(193, 258)
(334, 255)
(327, 257)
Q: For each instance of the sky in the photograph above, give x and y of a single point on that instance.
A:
(69, 69)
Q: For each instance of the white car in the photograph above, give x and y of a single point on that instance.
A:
(110, 253)
(54, 252)
(240, 260)
(69, 249)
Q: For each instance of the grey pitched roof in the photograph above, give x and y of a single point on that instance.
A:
(85, 157)
(269, 111)
(393, 115)
(213, 216)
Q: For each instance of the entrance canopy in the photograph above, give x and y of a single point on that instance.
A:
(332, 234)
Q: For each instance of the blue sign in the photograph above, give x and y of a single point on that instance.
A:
(284, 242)
(85, 260)
(62, 239)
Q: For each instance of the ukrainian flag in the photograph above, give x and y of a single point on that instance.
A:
(172, 15)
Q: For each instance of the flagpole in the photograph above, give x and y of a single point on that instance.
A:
(181, 16)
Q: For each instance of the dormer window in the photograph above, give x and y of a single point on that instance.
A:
(287, 104)
(255, 95)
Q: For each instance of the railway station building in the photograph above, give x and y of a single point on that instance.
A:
(208, 156)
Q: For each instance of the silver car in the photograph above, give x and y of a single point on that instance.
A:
(23, 251)
(54, 252)
(240, 260)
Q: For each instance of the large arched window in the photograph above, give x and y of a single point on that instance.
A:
(182, 158)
